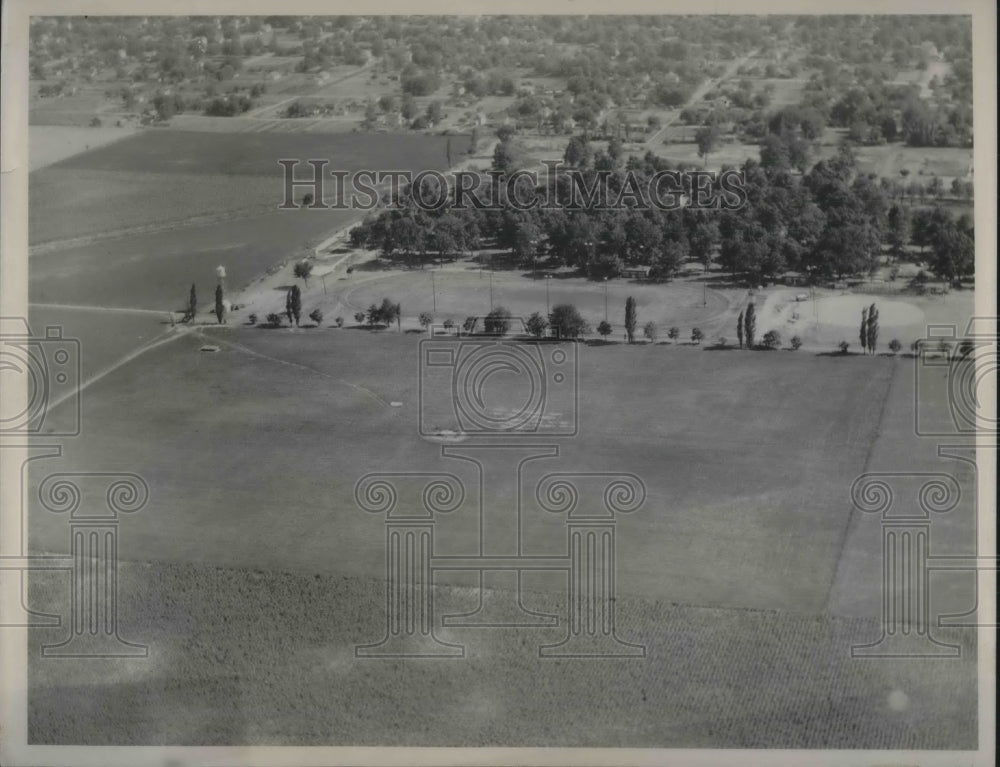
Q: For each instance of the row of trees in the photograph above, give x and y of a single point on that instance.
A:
(191, 309)
(385, 313)
(565, 321)
(869, 329)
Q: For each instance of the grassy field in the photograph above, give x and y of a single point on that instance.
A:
(252, 573)
(745, 569)
(921, 163)
(105, 337)
(887, 160)
(167, 151)
(460, 294)
(280, 415)
(787, 90)
(733, 154)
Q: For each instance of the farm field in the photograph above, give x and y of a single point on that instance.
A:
(224, 668)
(155, 270)
(48, 144)
(68, 203)
(69, 110)
(735, 567)
(168, 151)
(182, 203)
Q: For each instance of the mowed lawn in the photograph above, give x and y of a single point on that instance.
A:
(251, 455)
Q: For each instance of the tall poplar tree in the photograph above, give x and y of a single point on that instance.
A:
(631, 318)
(750, 325)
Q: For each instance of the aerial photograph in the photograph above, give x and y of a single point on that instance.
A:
(479, 380)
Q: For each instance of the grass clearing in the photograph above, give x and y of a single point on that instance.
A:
(724, 575)
(225, 439)
(463, 293)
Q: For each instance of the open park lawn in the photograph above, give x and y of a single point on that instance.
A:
(251, 455)
(251, 573)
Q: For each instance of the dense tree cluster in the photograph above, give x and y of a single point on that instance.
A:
(828, 222)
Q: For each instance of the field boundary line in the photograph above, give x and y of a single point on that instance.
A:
(299, 365)
(119, 309)
(852, 514)
(165, 339)
(54, 246)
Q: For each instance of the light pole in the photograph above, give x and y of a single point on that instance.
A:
(547, 278)
(605, 299)
(704, 300)
(434, 292)
(491, 289)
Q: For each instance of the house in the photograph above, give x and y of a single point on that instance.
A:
(794, 278)
(637, 272)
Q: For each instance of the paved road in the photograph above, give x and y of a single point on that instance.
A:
(698, 94)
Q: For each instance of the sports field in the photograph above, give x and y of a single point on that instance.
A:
(252, 574)
(733, 573)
